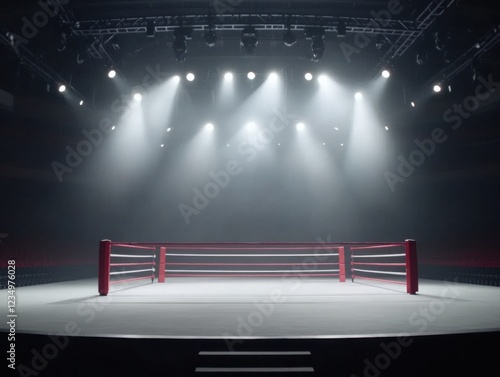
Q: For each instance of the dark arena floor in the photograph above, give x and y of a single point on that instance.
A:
(314, 326)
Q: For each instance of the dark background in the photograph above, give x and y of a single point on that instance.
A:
(449, 205)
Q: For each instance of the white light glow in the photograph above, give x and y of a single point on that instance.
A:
(112, 74)
(169, 129)
(386, 74)
(62, 88)
(81, 103)
(190, 77)
(228, 76)
(301, 126)
(437, 88)
(273, 76)
(308, 76)
(322, 79)
(209, 127)
(251, 75)
(251, 126)
(138, 97)
(358, 96)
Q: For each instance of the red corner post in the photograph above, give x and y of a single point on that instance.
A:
(411, 267)
(342, 264)
(104, 266)
(161, 267)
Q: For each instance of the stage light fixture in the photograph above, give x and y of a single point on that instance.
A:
(358, 96)
(210, 38)
(228, 76)
(150, 29)
(112, 73)
(190, 76)
(181, 35)
(62, 88)
(137, 97)
(209, 127)
(317, 36)
(437, 88)
(289, 38)
(386, 74)
(251, 75)
(81, 103)
(308, 76)
(413, 104)
(300, 126)
(341, 29)
(249, 40)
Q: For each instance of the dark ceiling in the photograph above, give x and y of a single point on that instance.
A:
(104, 33)
(423, 41)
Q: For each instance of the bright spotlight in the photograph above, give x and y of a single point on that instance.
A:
(386, 128)
(190, 76)
(209, 127)
(336, 128)
(358, 96)
(228, 76)
(251, 75)
(169, 129)
(113, 128)
(386, 74)
(112, 74)
(251, 126)
(62, 88)
(437, 88)
(176, 78)
(308, 76)
(413, 104)
(138, 97)
(301, 126)
(322, 78)
(273, 76)
(81, 103)
(161, 146)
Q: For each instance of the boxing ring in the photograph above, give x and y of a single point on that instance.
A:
(313, 308)
(123, 262)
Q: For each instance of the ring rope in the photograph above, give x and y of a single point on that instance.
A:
(380, 272)
(376, 246)
(378, 256)
(133, 256)
(248, 255)
(250, 264)
(251, 271)
(131, 272)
